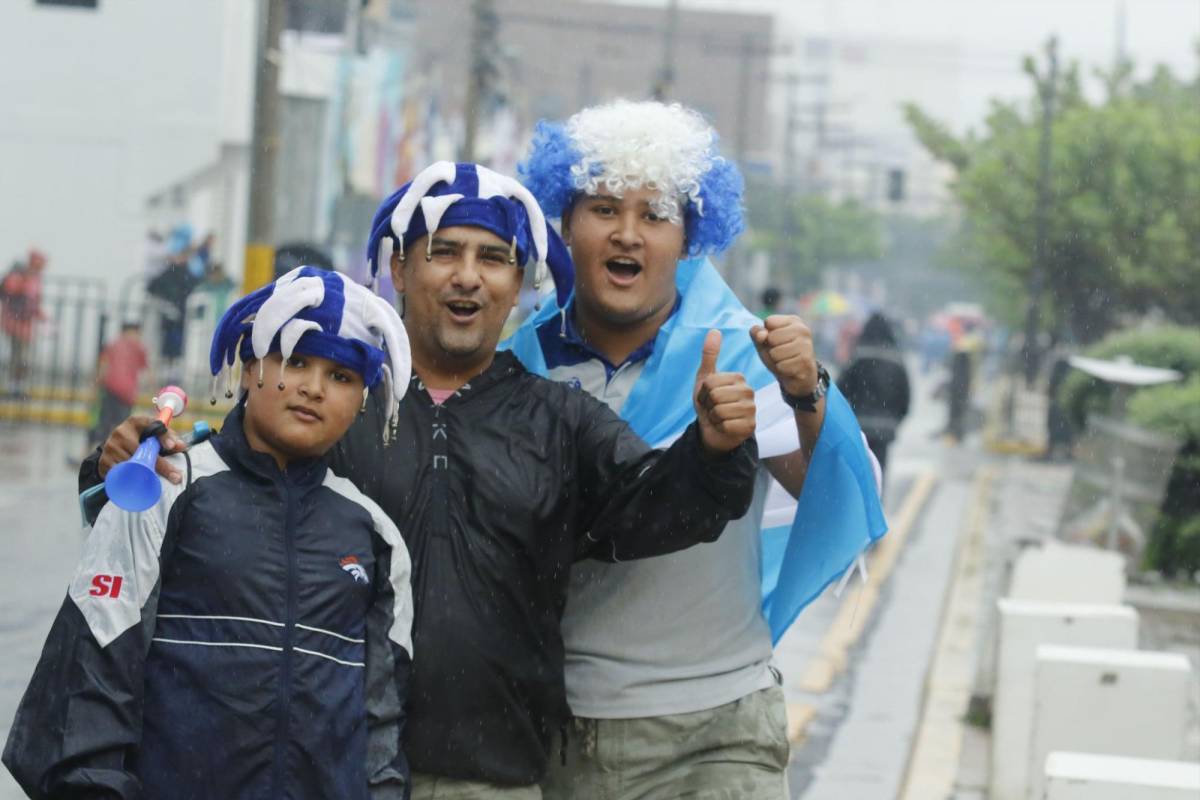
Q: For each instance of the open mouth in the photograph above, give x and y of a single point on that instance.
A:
(623, 270)
(304, 414)
(463, 310)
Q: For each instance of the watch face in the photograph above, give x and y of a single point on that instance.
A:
(822, 381)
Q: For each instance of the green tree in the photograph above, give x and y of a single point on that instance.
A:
(804, 233)
(1124, 223)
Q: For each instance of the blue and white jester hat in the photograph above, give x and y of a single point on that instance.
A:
(449, 195)
(318, 313)
(629, 145)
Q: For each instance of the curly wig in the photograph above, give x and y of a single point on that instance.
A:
(624, 145)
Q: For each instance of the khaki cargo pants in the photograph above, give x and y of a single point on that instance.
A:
(432, 787)
(738, 751)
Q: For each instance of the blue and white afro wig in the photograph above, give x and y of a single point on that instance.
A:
(630, 145)
(318, 313)
(447, 195)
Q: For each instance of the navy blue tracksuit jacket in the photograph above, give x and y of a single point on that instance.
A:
(247, 637)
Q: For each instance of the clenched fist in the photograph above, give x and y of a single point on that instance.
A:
(724, 402)
(785, 345)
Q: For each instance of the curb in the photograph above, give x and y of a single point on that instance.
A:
(937, 745)
(855, 612)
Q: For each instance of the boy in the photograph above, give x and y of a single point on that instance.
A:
(121, 363)
(248, 636)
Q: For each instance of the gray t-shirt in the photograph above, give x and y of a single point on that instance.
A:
(666, 635)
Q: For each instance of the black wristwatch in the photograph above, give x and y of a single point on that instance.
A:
(808, 402)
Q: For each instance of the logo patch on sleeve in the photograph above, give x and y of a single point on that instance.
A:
(355, 570)
(106, 586)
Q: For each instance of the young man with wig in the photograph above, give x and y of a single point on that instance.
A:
(668, 660)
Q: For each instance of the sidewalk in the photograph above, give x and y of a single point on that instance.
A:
(1022, 510)
(855, 666)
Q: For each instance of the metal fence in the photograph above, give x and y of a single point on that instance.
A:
(78, 317)
(1121, 473)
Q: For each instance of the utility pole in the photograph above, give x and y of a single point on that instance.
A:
(781, 269)
(354, 41)
(791, 125)
(734, 274)
(666, 75)
(1048, 90)
(483, 26)
(1119, 53)
(746, 54)
(259, 267)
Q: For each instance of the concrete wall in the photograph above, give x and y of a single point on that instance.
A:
(1058, 573)
(1118, 702)
(1023, 627)
(1086, 776)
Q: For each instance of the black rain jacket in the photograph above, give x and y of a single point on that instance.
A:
(498, 490)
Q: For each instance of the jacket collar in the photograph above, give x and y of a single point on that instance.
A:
(231, 444)
(503, 366)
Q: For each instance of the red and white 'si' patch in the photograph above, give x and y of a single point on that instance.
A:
(106, 586)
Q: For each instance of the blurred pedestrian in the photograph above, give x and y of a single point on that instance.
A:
(933, 343)
(154, 254)
(966, 348)
(877, 386)
(205, 252)
(847, 334)
(118, 379)
(172, 287)
(1060, 434)
(20, 311)
(770, 302)
(217, 288)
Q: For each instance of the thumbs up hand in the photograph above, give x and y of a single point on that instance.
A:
(724, 402)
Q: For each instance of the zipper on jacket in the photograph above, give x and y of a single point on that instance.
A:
(285, 674)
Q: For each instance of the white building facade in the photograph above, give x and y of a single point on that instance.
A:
(101, 106)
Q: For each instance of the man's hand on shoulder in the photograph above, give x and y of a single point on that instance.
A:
(724, 402)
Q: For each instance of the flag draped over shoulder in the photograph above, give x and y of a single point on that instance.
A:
(807, 544)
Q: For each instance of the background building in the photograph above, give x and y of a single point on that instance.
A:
(109, 104)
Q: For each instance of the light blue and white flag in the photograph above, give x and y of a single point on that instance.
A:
(807, 544)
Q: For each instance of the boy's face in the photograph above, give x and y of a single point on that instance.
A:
(625, 255)
(456, 303)
(319, 400)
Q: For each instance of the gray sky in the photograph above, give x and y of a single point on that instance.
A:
(994, 34)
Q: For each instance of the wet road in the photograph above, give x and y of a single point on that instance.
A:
(39, 546)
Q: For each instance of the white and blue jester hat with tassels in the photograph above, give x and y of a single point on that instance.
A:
(450, 195)
(318, 313)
